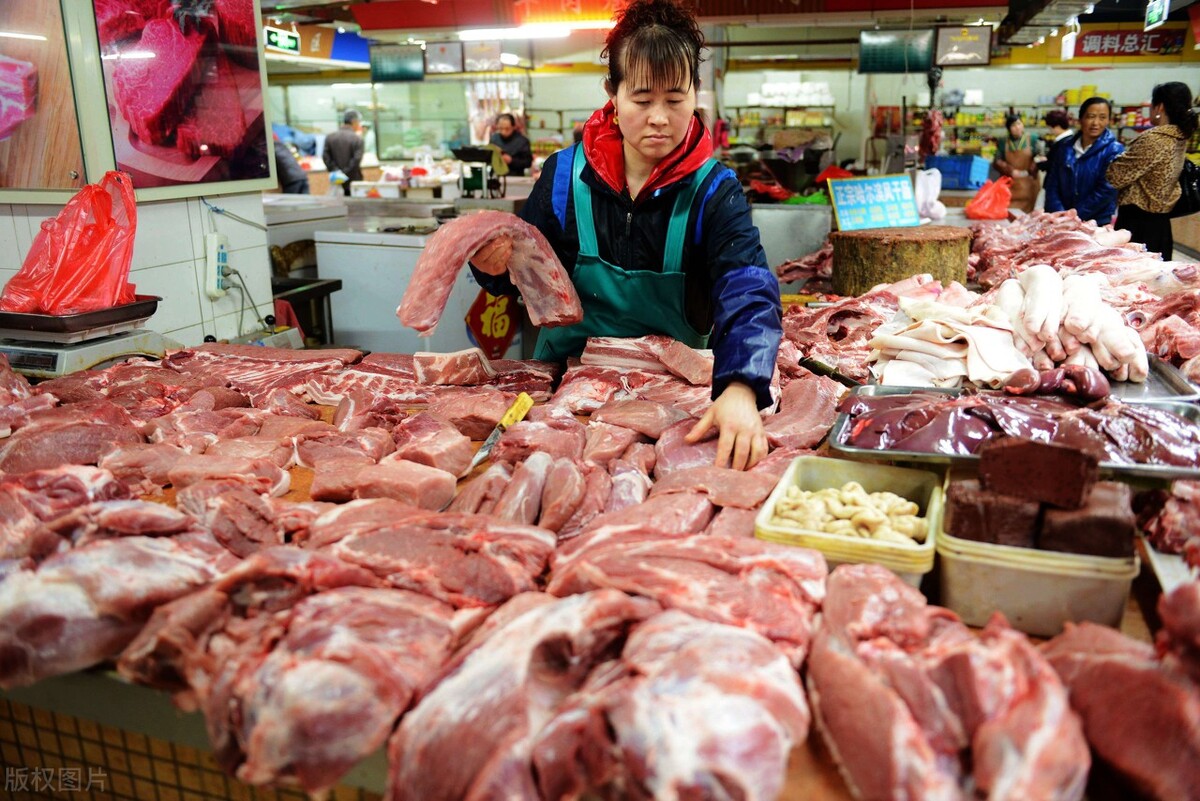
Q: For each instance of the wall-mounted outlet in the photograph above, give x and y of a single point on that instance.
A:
(217, 262)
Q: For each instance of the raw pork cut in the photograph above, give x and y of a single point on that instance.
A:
(482, 743)
(480, 494)
(474, 411)
(265, 475)
(326, 695)
(240, 518)
(521, 500)
(673, 453)
(428, 439)
(462, 368)
(914, 706)
(550, 297)
(466, 560)
(153, 93)
(44, 447)
(399, 479)
(606, 442)
(559, 436)
(644, 417)
(83, 606)
(692, 709)
(1141, 714)
(724, 486)
(807, 409)
(18, 93)
(774, 590)
(564, 490)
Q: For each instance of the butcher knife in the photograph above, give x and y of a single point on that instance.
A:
(515, 413)
(821, 368)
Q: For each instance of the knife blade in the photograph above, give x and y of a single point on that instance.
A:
(515, 413)
(821, 368)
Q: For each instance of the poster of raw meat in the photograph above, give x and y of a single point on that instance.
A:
(39, 132)
(184, 89)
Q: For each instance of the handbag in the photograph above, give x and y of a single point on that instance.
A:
(1189, 185)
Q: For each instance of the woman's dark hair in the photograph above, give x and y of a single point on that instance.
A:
(1057, 119)
(1176, 100)
(506, 116)
(1092, 101)
(1009, 119)
(657, 40)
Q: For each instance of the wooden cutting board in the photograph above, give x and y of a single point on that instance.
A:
(44, 150)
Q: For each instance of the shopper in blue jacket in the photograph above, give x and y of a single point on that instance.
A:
(655, 233)
(1075, 179)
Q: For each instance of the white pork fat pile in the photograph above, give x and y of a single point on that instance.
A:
(603, 694)
(915, 707)
(549, 295)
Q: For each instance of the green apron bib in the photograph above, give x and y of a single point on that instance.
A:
(619, 302)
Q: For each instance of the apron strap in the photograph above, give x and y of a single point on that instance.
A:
(584, 223)
(677, 230)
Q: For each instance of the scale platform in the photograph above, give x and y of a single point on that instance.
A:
(53, 359)
(49, 346)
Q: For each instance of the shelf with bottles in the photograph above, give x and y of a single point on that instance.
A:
(552, 121)
(762, 117)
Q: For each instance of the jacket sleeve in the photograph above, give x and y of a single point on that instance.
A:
(1054, 174)
(522, 160)
(356, 154)
(327, 157)
(1132, 164)
(747, 313)
(1100, 203)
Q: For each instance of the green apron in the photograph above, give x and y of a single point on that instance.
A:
(619, 302)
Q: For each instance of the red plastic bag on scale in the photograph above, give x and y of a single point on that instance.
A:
(80, 259)
(992, 200)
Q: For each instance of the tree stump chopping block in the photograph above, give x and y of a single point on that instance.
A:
(863, 259)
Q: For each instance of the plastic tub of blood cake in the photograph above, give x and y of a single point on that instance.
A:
(780, 520)
(1037, 590)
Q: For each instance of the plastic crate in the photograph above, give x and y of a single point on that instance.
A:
(959, 172)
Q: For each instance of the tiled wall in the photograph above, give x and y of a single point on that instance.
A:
(169, 261)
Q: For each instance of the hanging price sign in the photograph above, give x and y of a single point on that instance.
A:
(492, 322)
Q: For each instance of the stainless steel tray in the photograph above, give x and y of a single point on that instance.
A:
(14, 325)
(1164, 382)
(1154, 472)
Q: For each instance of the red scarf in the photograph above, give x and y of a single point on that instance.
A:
(605, 150)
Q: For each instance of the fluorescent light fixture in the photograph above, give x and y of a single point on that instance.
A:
(14, 35)
(534, 30)
(341, 29)
(129, 55)
(511, 59)
(1090, 8)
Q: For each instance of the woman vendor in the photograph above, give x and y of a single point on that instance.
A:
(1014, 158)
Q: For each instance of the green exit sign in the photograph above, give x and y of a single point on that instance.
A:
(1156, 13)
(278, 39)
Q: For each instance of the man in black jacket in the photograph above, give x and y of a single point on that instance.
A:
(517, 153)
(344, 150)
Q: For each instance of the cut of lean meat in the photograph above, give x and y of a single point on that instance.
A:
(153, 93)
(549, 295)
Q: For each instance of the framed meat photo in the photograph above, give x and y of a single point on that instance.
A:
(184, 82)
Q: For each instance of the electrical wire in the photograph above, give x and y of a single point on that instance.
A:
(253, 305)
(218, 210)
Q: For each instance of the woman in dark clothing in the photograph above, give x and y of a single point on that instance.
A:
(518, 154)
(656, 233)
(1147, 174)
(1075, 179)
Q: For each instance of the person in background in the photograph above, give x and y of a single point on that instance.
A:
(1014, 158)
(344, 149)
(1076, 178)
(293, 180)
(1146, 175)
(655, 233)
(517, 153)
(1059, 123)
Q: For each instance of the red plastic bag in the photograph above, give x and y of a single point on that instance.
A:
(992, 200)
(80, 259)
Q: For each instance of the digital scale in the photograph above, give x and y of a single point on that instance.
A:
(49, 346)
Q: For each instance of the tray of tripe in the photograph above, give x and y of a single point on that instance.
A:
(1153, 439)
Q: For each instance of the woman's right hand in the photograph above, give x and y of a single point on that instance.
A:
(492, 258)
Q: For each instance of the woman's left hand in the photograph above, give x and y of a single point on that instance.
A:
(742, 442)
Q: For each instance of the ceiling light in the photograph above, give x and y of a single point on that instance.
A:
(1054, 31)
(534, 30)
(511, 59)
(341, 29)
(1090, 8)
(14, 35)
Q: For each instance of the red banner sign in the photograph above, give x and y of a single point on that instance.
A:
(1116, 43)
(492, 323)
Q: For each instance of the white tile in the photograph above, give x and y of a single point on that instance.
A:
(188, 337)
(164, 235)
(180, 306)
(29, 222)
(11, 256)
(241, 235)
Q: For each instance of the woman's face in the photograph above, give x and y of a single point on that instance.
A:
(653, 121)
(1095, 120)
(1016, 129)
